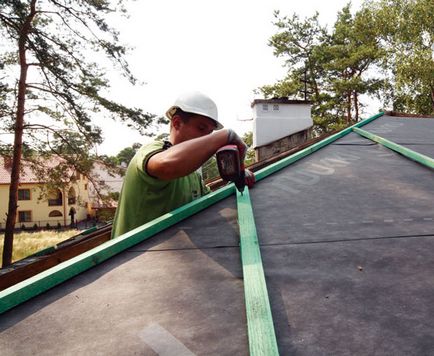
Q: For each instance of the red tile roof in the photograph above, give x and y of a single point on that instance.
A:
(27, 175)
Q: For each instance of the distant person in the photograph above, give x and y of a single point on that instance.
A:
(72, 213)
(162, 175)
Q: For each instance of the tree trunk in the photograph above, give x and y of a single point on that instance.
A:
(356, 106)
(348, 107)
(432, 99)
(18, 139)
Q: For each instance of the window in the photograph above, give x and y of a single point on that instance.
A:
(275, 107)
(85, 186)
(23, 194)
(71, 196)
(55, 198)
(77, 175)
(54, 214)
(265, 107)
(24, 216)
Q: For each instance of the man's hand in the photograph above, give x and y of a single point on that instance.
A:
(249, 178)
(234, 139)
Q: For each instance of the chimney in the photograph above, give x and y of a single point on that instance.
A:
(279, 124)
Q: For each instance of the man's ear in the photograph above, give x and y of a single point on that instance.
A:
(176, 121)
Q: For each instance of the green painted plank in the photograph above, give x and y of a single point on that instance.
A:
(90, 230)
(260, 327)
(265, 172)
(38, 284)
(43, 252)
(415, 156)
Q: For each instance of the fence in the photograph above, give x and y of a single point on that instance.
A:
(51, 224)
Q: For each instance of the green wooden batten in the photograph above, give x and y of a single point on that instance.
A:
(415, 156)
(265, 172)
(40, 283)
(260, 327)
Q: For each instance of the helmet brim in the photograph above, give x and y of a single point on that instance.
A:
(172, 111)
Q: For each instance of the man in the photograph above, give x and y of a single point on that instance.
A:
(162, 175)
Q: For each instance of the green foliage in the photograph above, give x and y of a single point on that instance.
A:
(106, 215)
(250, 154)
(126, 155)
(405, 29)
(114, 196)
(384, 49)
(66, 87)
(300, 44)
(210, 169)
(51, 90)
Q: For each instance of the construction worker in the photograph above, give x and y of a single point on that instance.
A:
(163, 175)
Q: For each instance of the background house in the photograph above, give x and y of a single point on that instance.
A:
(42, 207)
(104, 191)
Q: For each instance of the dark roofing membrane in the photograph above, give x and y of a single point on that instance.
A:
(346, 236)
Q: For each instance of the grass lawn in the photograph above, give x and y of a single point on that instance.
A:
(28, 243)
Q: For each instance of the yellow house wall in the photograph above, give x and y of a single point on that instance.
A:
(40, 209)
(4, 199)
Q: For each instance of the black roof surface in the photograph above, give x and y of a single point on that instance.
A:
(347, 240)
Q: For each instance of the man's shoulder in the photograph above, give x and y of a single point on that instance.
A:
(153, 145)
(140, 159)
(148, 149)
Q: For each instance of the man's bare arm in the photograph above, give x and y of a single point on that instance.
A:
(186, 157)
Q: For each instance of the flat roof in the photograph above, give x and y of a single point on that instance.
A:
(280, 101)
(346, 236)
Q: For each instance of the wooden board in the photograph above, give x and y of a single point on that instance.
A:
(260, 327)
(415, 156)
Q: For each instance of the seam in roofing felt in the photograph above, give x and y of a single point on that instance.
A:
(413, 155)
(40, 283)
(270, 244)
(314, 242)
(260, 326)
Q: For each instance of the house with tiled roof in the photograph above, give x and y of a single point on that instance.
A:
(40, 206)
(102, 199)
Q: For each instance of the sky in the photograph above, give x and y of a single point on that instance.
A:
(217, 47)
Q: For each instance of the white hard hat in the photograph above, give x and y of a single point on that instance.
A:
(196, 103)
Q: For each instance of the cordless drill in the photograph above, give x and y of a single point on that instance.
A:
(230, 167)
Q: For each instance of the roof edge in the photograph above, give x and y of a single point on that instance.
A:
(280, 101)
(403, 114)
